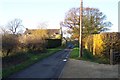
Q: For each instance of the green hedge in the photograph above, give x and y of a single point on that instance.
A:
(53, 43)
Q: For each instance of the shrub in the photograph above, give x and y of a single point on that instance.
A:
(9, 44)
(88, 43)
(111, 41)
(35, 41)
(100, 44)
(12, 44)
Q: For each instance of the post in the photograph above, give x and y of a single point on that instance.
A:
(61, 34)
(111, 57)
(80, 27)
(119, 16)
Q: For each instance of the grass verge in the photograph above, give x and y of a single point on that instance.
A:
(87, 56)
(33, 58)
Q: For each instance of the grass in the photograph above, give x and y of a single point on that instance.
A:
(75, 53)
(33, 58)
(87, 56)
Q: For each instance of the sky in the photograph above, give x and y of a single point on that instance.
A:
(52, 12)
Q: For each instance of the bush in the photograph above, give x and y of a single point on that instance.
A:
(100, 44)
(12, 44)
(111, 41)
(35, 41)
(88, 43)
(88, 56)
(9, 44)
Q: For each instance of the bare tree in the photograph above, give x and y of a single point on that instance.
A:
(3, 30)
(15, 26)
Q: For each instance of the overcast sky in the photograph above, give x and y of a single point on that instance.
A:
(51, 12)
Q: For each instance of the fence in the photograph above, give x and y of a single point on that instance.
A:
(114, 57)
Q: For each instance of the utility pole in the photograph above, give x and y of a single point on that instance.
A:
(61, 34)
(80, 27)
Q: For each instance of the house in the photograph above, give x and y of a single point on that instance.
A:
(51, 33)
(53, 37)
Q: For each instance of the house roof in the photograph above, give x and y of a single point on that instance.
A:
(50, 31)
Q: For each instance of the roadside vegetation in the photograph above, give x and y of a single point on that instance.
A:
(24, 60)
(97, 43)
(88, 56)
(20, 50)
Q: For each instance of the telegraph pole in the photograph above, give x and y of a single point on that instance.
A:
(61, 34)
(80, 27)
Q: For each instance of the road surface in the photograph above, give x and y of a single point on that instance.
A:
(50, 67)
(86, 69)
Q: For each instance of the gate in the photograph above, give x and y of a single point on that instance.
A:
(114, 57)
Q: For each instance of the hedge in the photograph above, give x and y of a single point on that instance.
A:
(53, 43)
(100, 44)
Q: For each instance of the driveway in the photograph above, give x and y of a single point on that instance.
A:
(50, 67)
(86, 69)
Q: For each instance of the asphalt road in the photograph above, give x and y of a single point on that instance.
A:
(50, 67)
(86, 69)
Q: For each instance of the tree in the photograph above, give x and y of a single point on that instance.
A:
(9, 43)
(15, 26)
(3, 30)
(94, 21)
(34, 40)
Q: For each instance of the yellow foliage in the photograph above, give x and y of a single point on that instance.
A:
(88, 41)
(35, 36)
(58, 36)
(100, 44)
(97, 44)
(35, 39)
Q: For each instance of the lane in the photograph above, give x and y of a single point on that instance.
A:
(86, 69)
(50, 67)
